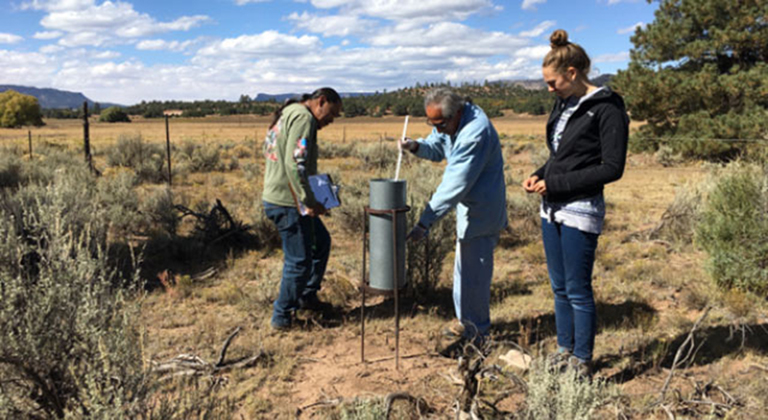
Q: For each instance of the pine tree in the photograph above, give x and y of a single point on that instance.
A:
(699, 72)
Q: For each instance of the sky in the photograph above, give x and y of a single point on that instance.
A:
(128, 51)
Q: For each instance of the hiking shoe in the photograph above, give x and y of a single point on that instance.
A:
(464, 346)
(583, 368)
(455, 349)
(313, 304)
(558, 361)
(454, 330)
(281, 324)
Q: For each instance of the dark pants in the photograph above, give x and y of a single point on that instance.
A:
(306, 247)
(570, 258)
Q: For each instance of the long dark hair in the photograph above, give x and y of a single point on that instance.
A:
(329, 93)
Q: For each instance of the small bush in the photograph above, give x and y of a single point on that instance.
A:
(159, 208)
(679, 221)
(734, 227)
(201, 158)
(146, 159)
(555, 396)
(10, 170)
(114, 114)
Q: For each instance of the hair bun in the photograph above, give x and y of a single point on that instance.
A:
(559, 38)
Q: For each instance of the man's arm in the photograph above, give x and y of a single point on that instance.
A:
(467, 162)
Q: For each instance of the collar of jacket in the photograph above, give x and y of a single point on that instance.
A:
(604, 94)
(467, 115)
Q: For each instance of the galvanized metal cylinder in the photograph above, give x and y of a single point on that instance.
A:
(387, 248)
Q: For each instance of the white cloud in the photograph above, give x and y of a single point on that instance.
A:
(51, 49)
(531, 4)
(448, 39)
(612, 58)
(539, 29)
(630, 29)
(163, 45)
(47, 35)
(268, 43)
(105, 55)
(28, 69)
(536, 53)
(413, 11)
(612, 2)
(334, 25)
(6, 38)
(83, 22)
(244, 2)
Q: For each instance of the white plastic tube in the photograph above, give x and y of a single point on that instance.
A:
(400, 149)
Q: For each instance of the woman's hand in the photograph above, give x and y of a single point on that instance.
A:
(528, 184)
(540, 187)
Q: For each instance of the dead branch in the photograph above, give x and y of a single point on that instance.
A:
(193, 365)
(226, 346)
(687, 346)
(324, 403)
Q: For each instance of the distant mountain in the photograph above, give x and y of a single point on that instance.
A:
(535, 84)
(263, 97)
(54, 98)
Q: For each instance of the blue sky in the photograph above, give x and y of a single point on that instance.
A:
(128, 51)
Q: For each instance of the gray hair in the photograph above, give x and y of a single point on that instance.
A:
(448, 101)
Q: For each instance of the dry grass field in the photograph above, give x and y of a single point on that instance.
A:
(650, 292)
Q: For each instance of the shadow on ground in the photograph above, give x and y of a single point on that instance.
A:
(531, 330)
(712, 344)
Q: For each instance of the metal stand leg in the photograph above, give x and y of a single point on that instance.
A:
(396, 287)
(363, 285)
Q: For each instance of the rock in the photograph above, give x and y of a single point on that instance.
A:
(516, 359)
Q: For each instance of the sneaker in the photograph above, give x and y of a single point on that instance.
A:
(281, 324)
(455, 349)
(583, 368)
(312, 303)
(559, 360)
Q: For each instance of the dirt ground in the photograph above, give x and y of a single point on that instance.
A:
(649, 293)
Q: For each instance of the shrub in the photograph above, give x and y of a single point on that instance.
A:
(114, 114)
(10, 170)
(70, 345)
(159, 208)
(146, 159)
(734, 227)
(555, 396)
(201, 158)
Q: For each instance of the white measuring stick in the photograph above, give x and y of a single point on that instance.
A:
(400, 148)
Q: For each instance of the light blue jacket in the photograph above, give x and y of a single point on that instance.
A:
(473, 180)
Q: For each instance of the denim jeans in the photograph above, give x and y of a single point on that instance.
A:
(306, 247)
(570, 258)
(472, 274)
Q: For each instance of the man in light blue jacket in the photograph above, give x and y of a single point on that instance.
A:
(473, 183)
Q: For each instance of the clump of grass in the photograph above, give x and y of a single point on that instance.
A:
(552, 395)
(196, 157)
(145, 159)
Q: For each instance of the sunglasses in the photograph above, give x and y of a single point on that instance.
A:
(439, 125)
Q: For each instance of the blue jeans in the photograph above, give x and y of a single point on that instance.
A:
(570, 258)
(472, 274)
(306, 247)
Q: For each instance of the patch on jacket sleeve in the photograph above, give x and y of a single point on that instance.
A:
(300, 152)
(270, 143)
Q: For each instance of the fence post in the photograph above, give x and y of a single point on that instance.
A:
(168, 150)
(29, 133)
(86, 137)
